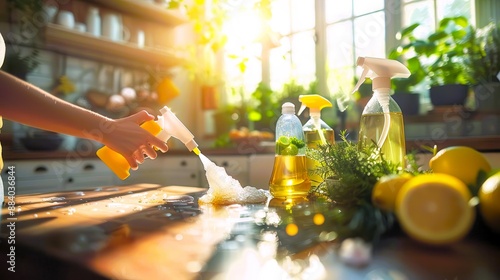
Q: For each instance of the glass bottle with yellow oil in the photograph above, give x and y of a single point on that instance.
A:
(289, 177)
(382, 120)
(316, 131)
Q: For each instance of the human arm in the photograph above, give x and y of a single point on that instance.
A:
(24, 103)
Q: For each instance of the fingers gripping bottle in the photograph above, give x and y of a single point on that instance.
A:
(316, 131)
(289, 177)
(166, 125)
(382, 119)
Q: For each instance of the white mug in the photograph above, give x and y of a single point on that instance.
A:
(141, 38)
(80, 27)
(50, 11)
(66, 19)
(113, 29)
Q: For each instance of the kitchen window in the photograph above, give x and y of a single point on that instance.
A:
(319, 41)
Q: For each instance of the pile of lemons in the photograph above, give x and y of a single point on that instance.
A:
(439, 207)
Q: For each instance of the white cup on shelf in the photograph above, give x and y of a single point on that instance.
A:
(50, 11)
(66, 19)
(141, 38)
(80, 27)
(113, 29)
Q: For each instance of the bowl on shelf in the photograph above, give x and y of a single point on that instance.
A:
(42, 142)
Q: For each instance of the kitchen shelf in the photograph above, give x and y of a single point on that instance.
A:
(146, 10)
(67, 41)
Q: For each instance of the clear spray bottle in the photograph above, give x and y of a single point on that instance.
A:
(316, 131)
(382, 119)
(166, 125)
(289, 178)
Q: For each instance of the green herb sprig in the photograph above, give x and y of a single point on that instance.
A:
(358, 169)
(349, 173)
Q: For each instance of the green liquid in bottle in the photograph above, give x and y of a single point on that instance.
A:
(394, 147)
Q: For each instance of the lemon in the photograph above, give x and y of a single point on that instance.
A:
(386, 189)
(489, 202)
(435, 209)
(291, 150)
(461, 162)
(283, 141)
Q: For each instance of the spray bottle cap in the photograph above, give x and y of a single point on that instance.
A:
(288, 108)
(380, 71)
(315, 102)
(174, 127)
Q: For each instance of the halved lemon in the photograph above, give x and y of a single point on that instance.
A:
(435, 209)
(386, 190)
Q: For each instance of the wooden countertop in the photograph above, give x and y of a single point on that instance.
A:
(154, 232)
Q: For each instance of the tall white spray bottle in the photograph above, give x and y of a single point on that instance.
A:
(382, 119)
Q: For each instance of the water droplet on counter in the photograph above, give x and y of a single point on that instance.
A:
(69, 211)
(179, 199)
(54, 199)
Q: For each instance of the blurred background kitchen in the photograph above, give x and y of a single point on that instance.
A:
(225, 67)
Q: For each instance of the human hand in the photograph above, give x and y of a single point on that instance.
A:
(126, 137)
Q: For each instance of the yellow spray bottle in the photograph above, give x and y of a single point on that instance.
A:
(316, 131)
(166, 125)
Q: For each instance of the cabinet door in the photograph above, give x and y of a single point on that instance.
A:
(260, 170)
(36, 176)
(235, 166)
(87, 173)
(166, 170)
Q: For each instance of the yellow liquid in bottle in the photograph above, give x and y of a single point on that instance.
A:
(394, 147)
(312, 141)
(289, 177)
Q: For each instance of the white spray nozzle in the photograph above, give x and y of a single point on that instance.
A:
(172, 126)
(380, 71)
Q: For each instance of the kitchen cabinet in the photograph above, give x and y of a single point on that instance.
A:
(39, 176)
(166, 170)
(235, 166)
(36, 176)
(87, 173)
(260, 167)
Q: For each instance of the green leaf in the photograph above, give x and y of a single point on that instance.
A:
(439, 35)
(409, 30)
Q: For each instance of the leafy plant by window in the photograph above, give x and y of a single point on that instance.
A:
(483, 60)
(407, 55)
(442, 54)
(30, 19)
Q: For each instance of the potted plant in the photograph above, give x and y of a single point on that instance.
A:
(207, 19)
(483, 65)
(21, 61)
(404, 88)
(442, 56)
